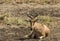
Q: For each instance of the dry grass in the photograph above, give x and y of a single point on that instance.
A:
(31, 1)
(9, 33)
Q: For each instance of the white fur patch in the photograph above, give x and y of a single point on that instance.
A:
(41, 37)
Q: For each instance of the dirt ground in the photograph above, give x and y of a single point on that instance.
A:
(13, 32)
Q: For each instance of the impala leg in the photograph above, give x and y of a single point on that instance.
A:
(29, 35)
(43, 36)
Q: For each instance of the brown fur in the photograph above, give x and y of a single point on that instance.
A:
(43, 30)
(39, 30)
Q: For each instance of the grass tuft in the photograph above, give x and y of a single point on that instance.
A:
(46, 19)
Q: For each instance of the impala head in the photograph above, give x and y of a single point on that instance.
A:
(32, 21)
(32, 18)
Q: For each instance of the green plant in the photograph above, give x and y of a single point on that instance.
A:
(21, 21)
(46, 19)
(10, 20)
